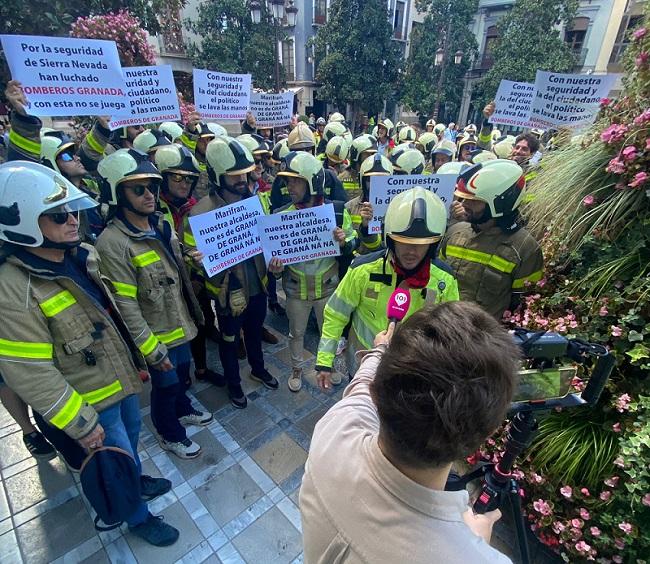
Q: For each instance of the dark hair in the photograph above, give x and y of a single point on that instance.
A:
(444, 384)
(531, 140)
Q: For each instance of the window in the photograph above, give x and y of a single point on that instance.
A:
(288, 60)
(628, 23)
(320, 11)
(398, 18)
(491, 38)
(575, 34)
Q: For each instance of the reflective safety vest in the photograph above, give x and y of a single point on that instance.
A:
(363, 296)
(368, 243)
(151, 285)
(492, 265)
(318, 278)
(350, 180)
(60, 351)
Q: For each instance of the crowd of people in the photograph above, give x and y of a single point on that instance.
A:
(102, 287)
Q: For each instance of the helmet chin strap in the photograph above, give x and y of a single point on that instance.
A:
(49, 244)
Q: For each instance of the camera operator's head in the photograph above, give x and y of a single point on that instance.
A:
(443, 385)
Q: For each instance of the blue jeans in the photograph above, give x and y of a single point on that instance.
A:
(121, 423)
(168, 398)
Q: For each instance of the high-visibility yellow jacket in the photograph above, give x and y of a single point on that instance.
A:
(350, 180)
(368, 242)
(60, 351)
(363, 296)
(318, 278)
(151, 285)
(492, 265)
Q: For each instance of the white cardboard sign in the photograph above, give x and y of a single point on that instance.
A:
(228, 235)
(298, 236)
(272, 110)
(513, 101)
(152, 96)
(568, 100)
(219, 95)
(384, 188)
(64, 76)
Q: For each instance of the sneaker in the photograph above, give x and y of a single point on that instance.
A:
(295, 381)
(38, 446)
(183, 449)
(340, 348)
(151, 488)
(335, 378)
(155, 531)
(267, 379)
(212, 377)
(196, 417)
(269, 337)
(276, 308)
(237, 397)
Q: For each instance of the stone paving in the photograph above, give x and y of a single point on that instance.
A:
(237, 502)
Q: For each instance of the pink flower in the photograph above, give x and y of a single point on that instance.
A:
(577, 523)
(604, 102)
(558, 527)
(646, 500)
(566, 491)
(625, 527)
(617, 559)
(616, 427)
(584, 514)
(642, 117)
(603, 311)
(620, 544)
(585, 492)
(639, 33)
(639, 178)
(588, 201)
(612, 482)
(619, 462)
(616, 166)
(582, 546)
(605, 495)
(613, 133)
(642, 59)
(536, 478)
(542, 507)
(629, 153)
(616, 331)
(623, 403)
(595, 531)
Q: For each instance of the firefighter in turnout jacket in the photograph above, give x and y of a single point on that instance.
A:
(493, 256)
(64, 348)
(362, 147)
(414, 224)
(141, 256)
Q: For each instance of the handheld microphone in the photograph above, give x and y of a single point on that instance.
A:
(398, 305)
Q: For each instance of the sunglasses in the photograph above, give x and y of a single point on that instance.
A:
(61, 218)
(188, 179)
(140, 189)
(66, 157)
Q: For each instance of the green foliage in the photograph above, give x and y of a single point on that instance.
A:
(230, 42)
(351, 49)
(420, 92)
(529, 41)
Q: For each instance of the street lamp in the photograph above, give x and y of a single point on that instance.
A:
(292, 14)
(277, 9)
(440, 56)
(256, 11)
(458, 57)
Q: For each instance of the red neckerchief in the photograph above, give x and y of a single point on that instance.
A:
(418, 280)
(318, 200)
(179, 213)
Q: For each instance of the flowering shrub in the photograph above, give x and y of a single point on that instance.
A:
(585, 481)
(124, 29)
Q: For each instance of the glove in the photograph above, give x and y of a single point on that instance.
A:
(237, 302)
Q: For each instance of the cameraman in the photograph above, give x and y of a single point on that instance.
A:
(422, 398)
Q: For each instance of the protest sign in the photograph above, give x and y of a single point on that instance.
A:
(384, 188)
(218, 95)
(152, 96)
(568, 100)
(272, 110)
(62, 76)
(228, 235)
(301, 235)
(513, 100)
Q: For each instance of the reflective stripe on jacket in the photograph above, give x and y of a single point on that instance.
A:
(363, 296)
(151, 287)
(491, 265)
(60, 351)
(368, 242)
